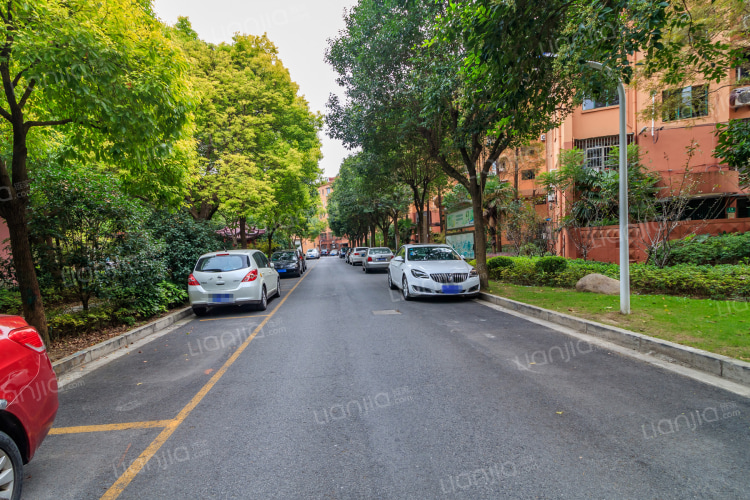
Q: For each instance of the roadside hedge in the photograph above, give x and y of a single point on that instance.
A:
(719, 282)
(704, 249)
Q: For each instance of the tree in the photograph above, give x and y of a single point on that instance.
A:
(392, 77)
(733, 146)
(590, 196)
(257, 139)
(107, 75)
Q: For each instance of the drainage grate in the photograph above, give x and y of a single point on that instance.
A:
(386, 312)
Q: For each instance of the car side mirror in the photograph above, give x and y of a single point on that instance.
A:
(272, 265)
(399, 259)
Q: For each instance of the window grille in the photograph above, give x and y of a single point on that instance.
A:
(598, 150)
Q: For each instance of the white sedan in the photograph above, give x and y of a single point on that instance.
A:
(431, 270)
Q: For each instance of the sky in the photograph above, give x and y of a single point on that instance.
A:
(299, 28)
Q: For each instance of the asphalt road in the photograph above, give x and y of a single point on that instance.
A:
(342, 390)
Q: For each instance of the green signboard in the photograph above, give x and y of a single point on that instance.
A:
(462, 218)
(731, 210)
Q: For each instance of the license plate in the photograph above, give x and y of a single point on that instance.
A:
(380, 260)
(452, 288)
(222, 297)
(281, 270)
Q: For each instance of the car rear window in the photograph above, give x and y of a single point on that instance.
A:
(282, 256)
(221, 263)
(380, 251)
(360, 249)
(432, 253)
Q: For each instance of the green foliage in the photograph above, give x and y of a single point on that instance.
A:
(75, 323)
(733, 146)
(10, 302)
(551, 265)
(722, 281)
(257, 140)
(184, 240)
(499, 262)
(704, 249)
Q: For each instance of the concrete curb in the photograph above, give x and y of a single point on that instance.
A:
(70, 363)
(715, 364)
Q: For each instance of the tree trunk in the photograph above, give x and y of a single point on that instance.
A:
(480, 239)
(243, 233)
(23, 261)
(270, 241)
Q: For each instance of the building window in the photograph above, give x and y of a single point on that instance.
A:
(681, 104)
(606, 100)
(328, 190)
(527, 175)
(598, 150)
(743, 70)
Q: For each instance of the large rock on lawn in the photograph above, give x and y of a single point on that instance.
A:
(598, 283)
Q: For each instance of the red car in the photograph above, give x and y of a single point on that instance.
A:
(28, 400)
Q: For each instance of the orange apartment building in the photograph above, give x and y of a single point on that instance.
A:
(327, 240)
(663, 138)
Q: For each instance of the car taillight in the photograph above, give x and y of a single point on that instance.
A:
(192, 281)
(369, 259)
(251, 276)
(29, 337)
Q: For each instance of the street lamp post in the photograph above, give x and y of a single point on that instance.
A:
(624, 240)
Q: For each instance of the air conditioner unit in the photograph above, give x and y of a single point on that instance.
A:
(740, 97)
(551, 197)
(543, 137)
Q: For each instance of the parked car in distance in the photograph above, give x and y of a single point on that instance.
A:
(313, 253)
(377, 258)
(28, 400)
(343, 252)
(334, 253)
(431, 270)
(357, 256)
(232, 278)
(287, 263)
(324, 253)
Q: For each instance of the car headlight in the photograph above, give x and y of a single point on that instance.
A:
(419, 274)
(473, 273)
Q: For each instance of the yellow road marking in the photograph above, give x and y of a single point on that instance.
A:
(127, 477)
(110, 427)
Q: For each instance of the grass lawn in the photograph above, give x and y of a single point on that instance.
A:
(722, 327)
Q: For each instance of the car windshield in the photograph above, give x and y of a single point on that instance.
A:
(221, 263)
(360, 249)
(432, 253)
(282, 256)
(380, 251)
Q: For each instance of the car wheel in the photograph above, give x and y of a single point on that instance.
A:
(263, 300)
(278, 287)
(200, 311)
(11, 468)
(390, 282)
(364, 268)
(405, 289)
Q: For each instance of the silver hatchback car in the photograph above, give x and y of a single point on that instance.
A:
(377, 258)
(233, 277)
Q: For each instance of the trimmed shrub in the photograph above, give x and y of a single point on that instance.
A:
(718, 282)
(704, 249)
(499, 262)
(551, 265)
